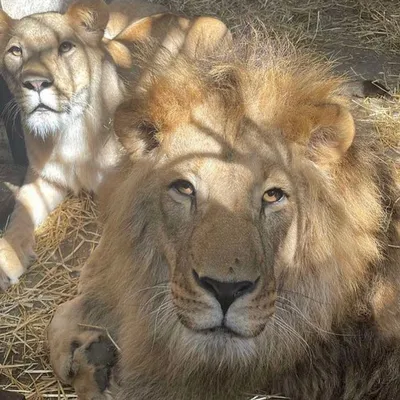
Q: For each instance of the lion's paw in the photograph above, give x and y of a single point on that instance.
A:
(100, 357)
(83, 358)
(88, 366)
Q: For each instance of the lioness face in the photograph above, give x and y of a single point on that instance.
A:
(48, 63)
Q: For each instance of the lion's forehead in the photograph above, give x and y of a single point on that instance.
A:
(223, 171)
(39, 32)
(224, 148)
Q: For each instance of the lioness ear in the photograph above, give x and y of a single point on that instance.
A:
(5, 23)
(205, 35)
(332, 133)
(90, 15)
(5, 26)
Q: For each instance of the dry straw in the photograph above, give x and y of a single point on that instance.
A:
(71, 233)
(64, 243)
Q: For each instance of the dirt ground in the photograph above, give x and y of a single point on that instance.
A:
(363, 36)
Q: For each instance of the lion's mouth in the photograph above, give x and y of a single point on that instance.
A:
(43, 108)
(220, 330)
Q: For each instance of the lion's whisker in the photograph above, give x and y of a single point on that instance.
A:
(154, 297)
(284, 325)
(161, 285)
(302, 295)
(294, 308)
(165, 305)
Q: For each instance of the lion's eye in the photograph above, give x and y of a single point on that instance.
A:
(273, 195)
(65, 47)
(183, 187)
(15, 51)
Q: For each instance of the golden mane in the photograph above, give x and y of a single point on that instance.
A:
(277, 75)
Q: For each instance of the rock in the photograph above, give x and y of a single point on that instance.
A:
(366, 88)
(5, 395)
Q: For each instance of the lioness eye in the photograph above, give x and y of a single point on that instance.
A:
(65, 47)
(183, 187)
(273, 196)
(15, 51)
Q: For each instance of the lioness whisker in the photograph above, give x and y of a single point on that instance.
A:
(8, 108)
(10, 112)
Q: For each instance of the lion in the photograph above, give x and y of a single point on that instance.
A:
(250, 243)
(68, 73)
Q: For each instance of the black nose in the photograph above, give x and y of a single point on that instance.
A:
(225, 292)
(37, 84)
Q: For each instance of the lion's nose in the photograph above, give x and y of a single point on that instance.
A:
(37, 84)
(225, 292)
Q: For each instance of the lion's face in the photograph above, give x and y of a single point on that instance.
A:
(233, 238)
(228, 210)
(227, 224)
(51, 62)
(226, 214)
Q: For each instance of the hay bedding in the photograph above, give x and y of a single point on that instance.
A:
(362, 33)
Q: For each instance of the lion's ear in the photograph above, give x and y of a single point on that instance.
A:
(89, 15)
(332, 133)
(138, 135)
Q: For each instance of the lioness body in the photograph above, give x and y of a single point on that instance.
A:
(250, 245)
(68, 80)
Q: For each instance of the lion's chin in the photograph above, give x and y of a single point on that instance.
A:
(215, 347)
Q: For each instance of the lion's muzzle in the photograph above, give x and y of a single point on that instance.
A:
(225, 292)
(225, 282)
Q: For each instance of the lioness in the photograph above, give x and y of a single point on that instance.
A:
(251, 245)
(63, 72)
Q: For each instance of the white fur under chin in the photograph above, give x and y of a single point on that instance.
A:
(44, 123)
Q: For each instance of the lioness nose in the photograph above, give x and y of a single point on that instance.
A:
(37, 84)
(225, 292)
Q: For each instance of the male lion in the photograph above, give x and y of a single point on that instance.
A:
(64, 77)
(250, 243)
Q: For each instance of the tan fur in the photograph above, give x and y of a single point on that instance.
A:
(73, 147)
(316, 324)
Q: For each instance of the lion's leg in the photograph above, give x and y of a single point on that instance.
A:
(81, 355)
(35, 200)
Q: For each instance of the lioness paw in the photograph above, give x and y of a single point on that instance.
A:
(4, 281)
(12, 264)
